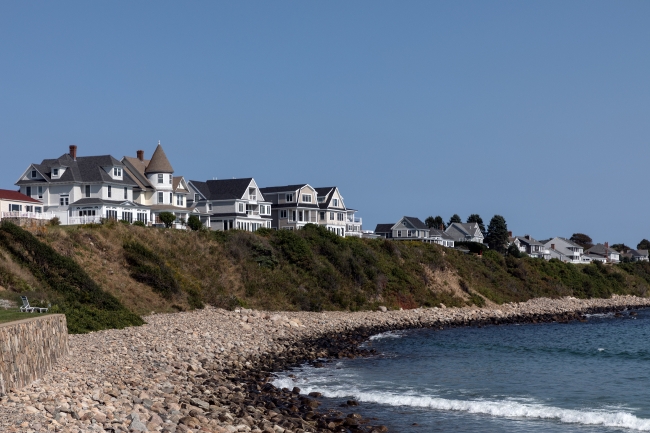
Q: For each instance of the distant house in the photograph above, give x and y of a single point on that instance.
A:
(564, 250)
(81, 190)
(334, 215)
(608, 254)
(465, 232)
(532, 247)
(441, 238)
(384, 230)
(157, 188)
(231, 204)
(635, 255)
(14, 204)
(410, 228)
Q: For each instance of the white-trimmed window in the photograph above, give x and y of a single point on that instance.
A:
(209, 206)
(55, 172)
(288, 198)
(171, 179)
(126, 193)
(179, 200)
(197, 197)
(117, 172)
(64, 199)
(15, 208)
(28, 191)
(322, 216)
(283, 214)
(87, 191)
(110, 191)
(399, 233)
(339, 216)
(161, 198)
(34, 174)
(306, 198)
(160, 178)
(171, 198)
(40, 192)
(38, 209)
(241, 207)
(331, 216)
(335, 202)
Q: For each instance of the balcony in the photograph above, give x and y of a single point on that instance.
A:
(88, 219)
(252, 212)
(32, 215)
(353, 219)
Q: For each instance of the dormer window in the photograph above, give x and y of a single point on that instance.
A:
(117, 172)
(306, 198)
(321, 199)
(55, 172)
(34, 175)
(160, 178)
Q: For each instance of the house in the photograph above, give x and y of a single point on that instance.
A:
(14, 204)
(157, 188)
(465, 232)
(564, 250)
(532, 247)
(231, 204)
(609, 255)
(384, 230)
(334, 215)
(294, 206)
(635, 255)
(441, 238)
(81, 190)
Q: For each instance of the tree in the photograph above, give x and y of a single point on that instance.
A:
(643, 245)
(454, 219)
(194, 223)
(514, 251)
(430, 222)
(582, 239)
(475, 218)
(439, 223)
(621, 248)
(497, 234)
(167, 218)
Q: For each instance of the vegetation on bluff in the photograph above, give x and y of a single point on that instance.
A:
(100, 275)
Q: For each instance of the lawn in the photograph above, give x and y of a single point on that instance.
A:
(15, 314)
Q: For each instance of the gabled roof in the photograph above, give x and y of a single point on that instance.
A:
(327, 192)
(6, 194)
(469, 229)
(416, 223)
(571, 243)
(87, 169)
(225, 189)
(285, 188)
(601, 250)
(384, 228)
(159, 162)
(528, 241)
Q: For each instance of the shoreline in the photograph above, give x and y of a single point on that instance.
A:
(208, 370)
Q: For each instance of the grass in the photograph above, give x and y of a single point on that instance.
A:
(11, 315)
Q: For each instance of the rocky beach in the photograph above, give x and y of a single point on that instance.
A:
(208, 370)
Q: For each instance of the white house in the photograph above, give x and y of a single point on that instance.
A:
(441, 238)
(334, 215)
(467, 232)
(14, 204)
(231, 204)
(532, 247)
(609, 255)
(81, 190)
(564, 250)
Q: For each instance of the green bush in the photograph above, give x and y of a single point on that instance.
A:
(167, 218)
(149, 268)
(139, 223)
(194, 223)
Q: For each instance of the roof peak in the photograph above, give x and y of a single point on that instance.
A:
(159, 162)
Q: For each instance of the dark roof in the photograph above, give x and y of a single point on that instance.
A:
(6, 194)
(225, 189)
(601, 250)
(416, 223)
(87, 169)
(529, 241)
(285, 188)
(384, 228)
(441, 233)
(159, 162)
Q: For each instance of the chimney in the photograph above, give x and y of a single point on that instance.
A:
(141, 155)
(606, 245)
(509, 234)
(73, 152)
(527, 237)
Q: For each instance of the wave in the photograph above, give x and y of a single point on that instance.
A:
(503, 408)
(389, 334)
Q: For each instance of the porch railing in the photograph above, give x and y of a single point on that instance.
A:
(33, 215)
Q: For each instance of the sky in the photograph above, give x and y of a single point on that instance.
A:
(537, 111)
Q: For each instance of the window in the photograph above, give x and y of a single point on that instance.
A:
(399, 233)
(321, 199)
(252, 194)
(117, 172)
(126, 193)
(40, 192)
(241, 207)
(34, 175)
(171, 178)
(292, 215)
(160, 198)
(28, 191)
(289, 198)
(209, 206)
(179, 200)
(110, 191)
(142, 217)
(283, 214)
(38, 209)
(55, 172)
(171, 198)
(15, 208)
(339, 216)
(88, 191)
(127, 216)
(322, 216)
(409, 233)
(197, 197)
(331, 216)
(111, 214)
(160, 178)
(306, 198)
(335, 202)
(64, 200)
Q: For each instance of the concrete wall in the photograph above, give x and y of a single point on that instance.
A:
(29, 347)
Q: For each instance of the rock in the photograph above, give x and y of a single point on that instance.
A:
(382, 309)
(136, 425)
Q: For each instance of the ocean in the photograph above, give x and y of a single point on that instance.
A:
(591, 376)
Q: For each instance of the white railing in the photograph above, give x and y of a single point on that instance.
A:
(354, 220)
(85, 220)
(33, 215)
(252, 212)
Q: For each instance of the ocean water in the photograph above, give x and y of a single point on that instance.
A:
(589, 376)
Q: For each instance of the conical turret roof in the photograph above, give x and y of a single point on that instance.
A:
(159, 162)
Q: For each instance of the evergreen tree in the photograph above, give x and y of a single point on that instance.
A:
(439, 223)
(497, 234)
(430, 222)
(454, 219)
(582, 239)
(643, 245)
(476, 218)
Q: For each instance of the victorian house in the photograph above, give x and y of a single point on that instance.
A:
(230, 204)
(157, 188)
(81, 190)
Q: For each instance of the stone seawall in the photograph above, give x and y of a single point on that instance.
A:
(29, 348)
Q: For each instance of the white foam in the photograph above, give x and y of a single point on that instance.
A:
(502, 409)
(389, 334)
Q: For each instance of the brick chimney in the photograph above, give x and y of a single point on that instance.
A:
(73, 152)
(509, 234)
(527, 237)
(606, 245)
(141, 155)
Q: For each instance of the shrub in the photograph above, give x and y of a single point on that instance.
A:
(139, 223)
(56, 221)
(149, 268)
(167, 218)
(194, 223)
(126, 222)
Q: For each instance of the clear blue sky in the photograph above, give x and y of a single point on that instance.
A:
(538, 111)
